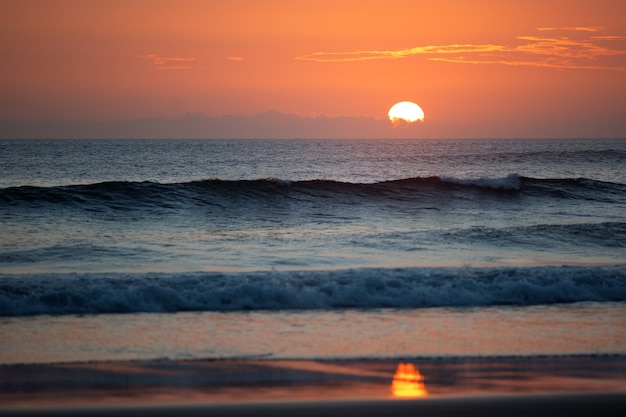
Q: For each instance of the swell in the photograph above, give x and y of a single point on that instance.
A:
(308, 290)
(609, 235)
(133, 195)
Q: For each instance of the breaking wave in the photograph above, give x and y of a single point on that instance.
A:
(138, 195)
(58, 294)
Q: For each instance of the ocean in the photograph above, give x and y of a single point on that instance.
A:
(115, 250)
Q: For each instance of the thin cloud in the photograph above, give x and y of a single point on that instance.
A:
(565, 48)
(168, 63)
(235, 58)
(580, 51)
(608, 37)
(398, 54)
(527, 64)
(575, 28)
(174, 67)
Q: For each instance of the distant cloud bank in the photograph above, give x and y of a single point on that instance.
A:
(270, 124)
(275, 125)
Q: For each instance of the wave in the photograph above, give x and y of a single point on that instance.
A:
(141, 195)
(587, 235)
(58, 294)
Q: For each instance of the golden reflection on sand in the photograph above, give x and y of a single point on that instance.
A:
(408, 382)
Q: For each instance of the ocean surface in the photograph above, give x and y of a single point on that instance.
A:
(214, 249)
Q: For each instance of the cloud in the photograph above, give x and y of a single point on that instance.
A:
(235, 58)
(575, 28)
(168, 63)
(609, 37)
(274, 124)
(397, 54)
(578, 51)
(269, 124)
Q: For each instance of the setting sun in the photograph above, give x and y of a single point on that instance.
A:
(405, 111)
(323, 69)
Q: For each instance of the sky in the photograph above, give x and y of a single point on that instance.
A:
(325, 68)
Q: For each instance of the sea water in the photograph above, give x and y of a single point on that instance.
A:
(204, 249)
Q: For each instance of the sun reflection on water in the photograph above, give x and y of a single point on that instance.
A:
(408, 382)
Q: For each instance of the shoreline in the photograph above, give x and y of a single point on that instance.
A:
(485, 406)
(278, 387)
(492, 331)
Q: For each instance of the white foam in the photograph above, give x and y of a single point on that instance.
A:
(358, 288)
(510, 182)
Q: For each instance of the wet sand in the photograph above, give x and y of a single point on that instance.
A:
(520, 405)
(574, 385)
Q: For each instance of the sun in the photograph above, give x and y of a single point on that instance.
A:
(405, 112)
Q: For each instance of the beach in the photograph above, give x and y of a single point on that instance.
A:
(574, 385)
(546, 360)
(355, 277)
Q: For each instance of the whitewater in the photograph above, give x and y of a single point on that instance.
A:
(351, 233)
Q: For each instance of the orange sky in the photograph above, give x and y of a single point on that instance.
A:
(531, 68)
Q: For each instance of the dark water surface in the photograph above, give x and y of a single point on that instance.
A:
(309, 227)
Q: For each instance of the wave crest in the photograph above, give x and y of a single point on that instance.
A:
(337, 289)
(510, 182)
(138, 195)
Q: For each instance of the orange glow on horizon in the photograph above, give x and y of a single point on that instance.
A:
(408, 382)
(482, 68)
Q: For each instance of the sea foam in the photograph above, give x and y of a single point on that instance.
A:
(308, 290)
(510, 182)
